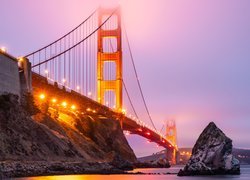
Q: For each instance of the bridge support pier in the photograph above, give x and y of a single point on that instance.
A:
(172, 156)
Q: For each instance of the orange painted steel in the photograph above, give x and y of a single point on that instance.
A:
(116, 57)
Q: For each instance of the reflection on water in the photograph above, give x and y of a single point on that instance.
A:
(245, 175)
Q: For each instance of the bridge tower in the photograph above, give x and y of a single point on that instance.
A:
(171, 135)
(104, 85)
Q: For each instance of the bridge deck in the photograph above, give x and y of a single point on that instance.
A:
(42, 85)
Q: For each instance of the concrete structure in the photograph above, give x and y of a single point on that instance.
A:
(9, 74)
(15, 75)
(25, 75)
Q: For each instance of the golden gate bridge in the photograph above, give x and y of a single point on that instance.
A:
(92, 66)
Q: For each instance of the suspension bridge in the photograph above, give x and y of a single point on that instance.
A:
(91, 69)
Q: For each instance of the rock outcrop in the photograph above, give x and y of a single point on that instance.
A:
(157, 160)
(30, 137)
(212, 154)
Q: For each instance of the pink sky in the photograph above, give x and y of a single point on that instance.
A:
(192, 56)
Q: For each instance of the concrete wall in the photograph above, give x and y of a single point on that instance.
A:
(25, 76)
(9, 75)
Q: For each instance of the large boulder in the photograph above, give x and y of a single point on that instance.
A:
(211, 154)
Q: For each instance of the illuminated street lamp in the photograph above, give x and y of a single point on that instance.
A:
(3, 49)
(20, 59)
(127, 133)
(54, 100)
(64, 81)
(46, 73)
(124, 111)
(64, 104)
(42, 96)
(73, 107)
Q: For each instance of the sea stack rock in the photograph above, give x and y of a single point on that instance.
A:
(211, 154)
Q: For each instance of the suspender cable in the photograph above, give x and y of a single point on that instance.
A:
(64, 35)
(76, 43)
(130, 101)
(137, 79)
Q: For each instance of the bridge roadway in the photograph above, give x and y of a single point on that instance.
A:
(41, 85)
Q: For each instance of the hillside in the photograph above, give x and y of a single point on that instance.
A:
(33, 142)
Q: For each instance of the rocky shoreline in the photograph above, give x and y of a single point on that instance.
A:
(10, 169)
(28, 169)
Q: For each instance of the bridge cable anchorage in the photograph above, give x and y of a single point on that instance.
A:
(137, 79)
(64, 35)
(51, 58)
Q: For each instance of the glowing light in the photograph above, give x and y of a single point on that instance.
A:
(94, 111)
(54, 100)
(127, 133)
(46, 71)
(107, 103)
(78, 87)
(89, 93)
(51, 79)
(42, 96)
(3, 49)
(88, 109)
(124, 111)
(73, 107)
(64, 104)
(20, 59)
(63, 80)
(148, 133)
(140, 130)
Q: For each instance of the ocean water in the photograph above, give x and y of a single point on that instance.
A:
(245, 174)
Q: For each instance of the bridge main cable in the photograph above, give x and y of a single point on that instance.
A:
(75, 44)
(62, 36)
(137, 79)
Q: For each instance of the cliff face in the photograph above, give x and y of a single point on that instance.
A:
(28, 135)
(211, 154)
